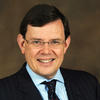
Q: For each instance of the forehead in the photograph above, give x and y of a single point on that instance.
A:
(51, 30)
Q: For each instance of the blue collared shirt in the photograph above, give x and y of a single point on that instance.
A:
(60, 87)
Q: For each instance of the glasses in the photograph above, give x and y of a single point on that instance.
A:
(40, 43)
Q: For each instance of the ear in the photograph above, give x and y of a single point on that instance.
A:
(67, 43)
(21, 43)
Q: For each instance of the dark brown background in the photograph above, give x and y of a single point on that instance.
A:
(84, 18)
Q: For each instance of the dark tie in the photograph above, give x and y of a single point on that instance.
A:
(51, 89)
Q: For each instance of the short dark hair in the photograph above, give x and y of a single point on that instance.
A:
(42, 14)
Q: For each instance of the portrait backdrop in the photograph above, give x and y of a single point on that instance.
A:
(84, 22)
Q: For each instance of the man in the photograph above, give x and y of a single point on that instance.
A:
(44, 39)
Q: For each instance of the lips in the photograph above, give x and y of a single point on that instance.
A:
(45, 60)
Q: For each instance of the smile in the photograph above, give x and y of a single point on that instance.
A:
(45, 60)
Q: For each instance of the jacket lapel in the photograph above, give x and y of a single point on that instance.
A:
(26, 88)
(71, 87)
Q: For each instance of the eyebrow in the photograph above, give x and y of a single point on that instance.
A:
(36, 39)
(58, 39)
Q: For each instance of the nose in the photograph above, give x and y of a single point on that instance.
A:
(46, 48)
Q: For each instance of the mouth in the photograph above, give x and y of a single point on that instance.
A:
(45, 60)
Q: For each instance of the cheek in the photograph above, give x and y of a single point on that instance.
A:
(30, 53)
(60, 55)
(60, 52)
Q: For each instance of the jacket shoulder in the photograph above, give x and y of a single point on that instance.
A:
(78, 76)
(83, 82)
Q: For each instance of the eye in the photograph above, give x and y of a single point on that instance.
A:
(55, 42)
(36, 42)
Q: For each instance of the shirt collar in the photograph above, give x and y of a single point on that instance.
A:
(37, 79)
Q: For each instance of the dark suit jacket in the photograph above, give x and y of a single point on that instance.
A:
(79, 85)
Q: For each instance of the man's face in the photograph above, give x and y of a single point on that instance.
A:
(44, 60)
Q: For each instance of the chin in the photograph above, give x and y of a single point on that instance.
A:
(48, 74)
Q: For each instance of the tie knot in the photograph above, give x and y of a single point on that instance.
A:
(51, 86)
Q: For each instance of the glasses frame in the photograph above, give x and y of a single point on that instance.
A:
(42, 43)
